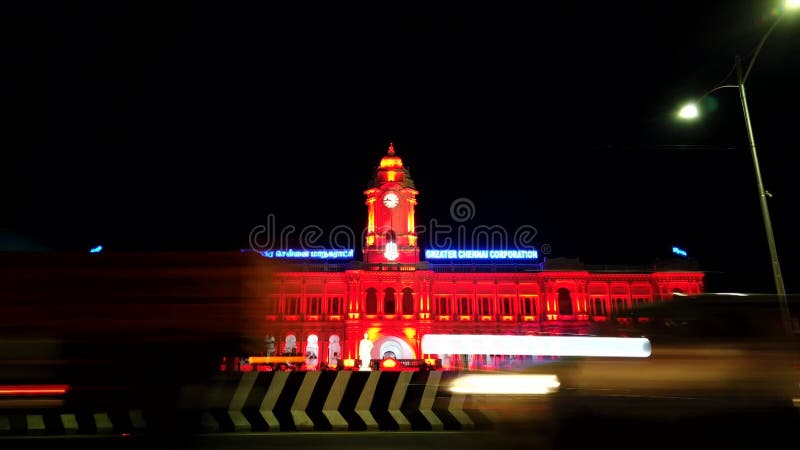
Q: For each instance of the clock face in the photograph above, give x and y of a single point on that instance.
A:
(391, 200)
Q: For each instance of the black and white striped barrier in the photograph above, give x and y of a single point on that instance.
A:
(57, 423)
(338, 401)
(288, 401)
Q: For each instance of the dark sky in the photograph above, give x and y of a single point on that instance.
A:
(181, 125)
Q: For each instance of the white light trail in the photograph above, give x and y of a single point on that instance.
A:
(505, 384)
(482, 344)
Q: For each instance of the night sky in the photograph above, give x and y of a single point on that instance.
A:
(180, 126)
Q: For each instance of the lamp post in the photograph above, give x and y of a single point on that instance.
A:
(692, 111)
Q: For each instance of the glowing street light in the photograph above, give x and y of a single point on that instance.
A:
(691, 111)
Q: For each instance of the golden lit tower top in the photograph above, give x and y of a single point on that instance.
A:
(391, 200)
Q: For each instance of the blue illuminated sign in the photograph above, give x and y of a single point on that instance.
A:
(308, 254)
(97, 249)
(482, 254)
(679, 251)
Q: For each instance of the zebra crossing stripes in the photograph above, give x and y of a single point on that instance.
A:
(302, 421)
(427, 400)
(379, 406)
(240, 422)
(70, 423)
(456, 409)
(331, 407)
(35, 423)
(102, 423)
(286, 401)
(441, 404)
(60, 423)
(322, 390)
(396, 402)
(365, 400)
(283, 406)
(271, 398)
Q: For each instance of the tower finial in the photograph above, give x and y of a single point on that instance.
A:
(391, 149)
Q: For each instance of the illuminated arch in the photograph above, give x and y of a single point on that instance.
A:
(334, 348)
(290, 344)
(395, 344)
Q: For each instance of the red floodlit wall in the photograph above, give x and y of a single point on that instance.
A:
(396, 301)
(406, 305)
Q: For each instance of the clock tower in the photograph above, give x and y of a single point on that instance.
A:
(391, 200)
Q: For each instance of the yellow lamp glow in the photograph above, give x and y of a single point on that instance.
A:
(689, 112)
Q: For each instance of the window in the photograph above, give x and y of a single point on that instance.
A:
(463, 306)
(371, 303)
(564, 302)
(290, 344)
(292, 306)
(486, 306)
(620, 305)
(335, 305)
(528, 306)
(444, 306)
(408, 301)
(314, 306)
(506, 303)
(389, 303)
(598, 307)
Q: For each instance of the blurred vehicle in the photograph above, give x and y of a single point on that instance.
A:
(711, 346)
(126, 330)
(723, 372)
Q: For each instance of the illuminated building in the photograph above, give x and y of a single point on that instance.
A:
(396, 298)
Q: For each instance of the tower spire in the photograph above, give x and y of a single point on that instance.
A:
(391, 149)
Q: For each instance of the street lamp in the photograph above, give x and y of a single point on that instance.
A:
(692, 111)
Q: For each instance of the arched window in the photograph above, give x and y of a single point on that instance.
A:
(389, 303)
(334, 349)
(312, 351)
(371, 306)
(408, 301)
(564, 302)
(290, 344)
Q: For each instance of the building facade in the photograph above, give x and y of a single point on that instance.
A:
(395, 298)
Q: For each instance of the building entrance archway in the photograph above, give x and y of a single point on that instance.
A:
(392, 346)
